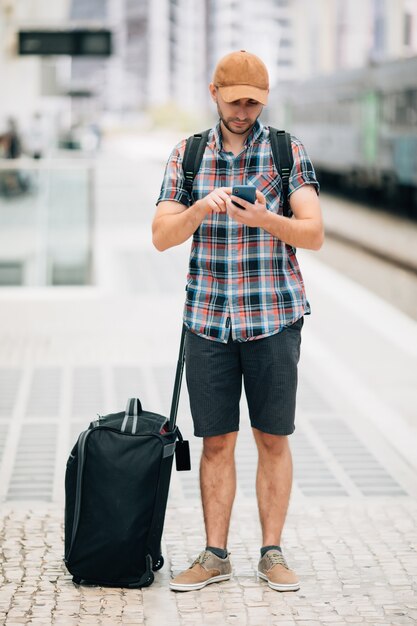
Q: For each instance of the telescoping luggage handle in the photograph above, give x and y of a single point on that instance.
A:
(182, 448)
(178, 381)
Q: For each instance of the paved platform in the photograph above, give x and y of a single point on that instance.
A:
(356, 561)
(69, 353)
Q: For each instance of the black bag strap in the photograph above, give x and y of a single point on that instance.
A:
(193, 155)
(177, 384)
(283, 160)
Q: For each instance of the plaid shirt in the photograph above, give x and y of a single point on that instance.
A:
(241, 279)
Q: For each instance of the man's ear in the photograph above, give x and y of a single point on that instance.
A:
(213, 92)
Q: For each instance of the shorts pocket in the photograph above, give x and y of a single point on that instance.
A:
(298, 324)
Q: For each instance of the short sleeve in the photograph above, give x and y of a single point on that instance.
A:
(302, 172)
(173, 187)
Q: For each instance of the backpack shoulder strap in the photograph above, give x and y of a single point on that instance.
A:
(283, 159)
(193, 155)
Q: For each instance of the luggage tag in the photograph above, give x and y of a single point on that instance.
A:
(182, 456)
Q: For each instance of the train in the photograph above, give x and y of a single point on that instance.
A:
(360, 128)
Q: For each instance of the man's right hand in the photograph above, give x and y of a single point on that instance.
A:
(174, 223)
(215, 201)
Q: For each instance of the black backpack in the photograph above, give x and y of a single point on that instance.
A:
(281, 153)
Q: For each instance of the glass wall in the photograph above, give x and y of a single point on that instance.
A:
(46, 223)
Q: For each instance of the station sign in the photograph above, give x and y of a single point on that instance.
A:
(78, 42)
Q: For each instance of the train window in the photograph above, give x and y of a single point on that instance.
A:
(400, 109)
(388, 108)
(411, 106)
(406, 107)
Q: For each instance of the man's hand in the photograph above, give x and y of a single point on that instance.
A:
(215, 201)
(174, 223)
(252, 214)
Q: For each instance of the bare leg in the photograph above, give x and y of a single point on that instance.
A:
(218, 486)
(273, 484)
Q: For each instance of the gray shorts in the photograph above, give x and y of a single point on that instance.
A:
(268, 367)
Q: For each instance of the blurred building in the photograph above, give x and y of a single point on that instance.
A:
(265, 27)
(88, 76)
(165, 51)
(29, 83)
(135, 49)
(176, 53)
(394, 29)
(344, 34)
(171, 46)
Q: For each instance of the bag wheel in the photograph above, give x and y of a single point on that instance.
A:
(76, 580)
(149, 580)
(158, 564)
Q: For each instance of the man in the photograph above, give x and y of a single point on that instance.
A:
(244, 310)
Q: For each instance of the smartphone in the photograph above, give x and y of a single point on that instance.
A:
(246, 192)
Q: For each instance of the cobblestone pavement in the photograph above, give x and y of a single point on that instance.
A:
(357, 563)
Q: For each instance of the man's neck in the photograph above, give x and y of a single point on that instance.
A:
(231, 141)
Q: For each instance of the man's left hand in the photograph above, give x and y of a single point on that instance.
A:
(251, 214)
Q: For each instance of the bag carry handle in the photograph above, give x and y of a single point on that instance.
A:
(133, 409)
(178, 380)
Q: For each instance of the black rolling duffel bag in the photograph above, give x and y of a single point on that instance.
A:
(116, 488)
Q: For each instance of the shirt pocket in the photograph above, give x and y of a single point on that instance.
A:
(271, 188)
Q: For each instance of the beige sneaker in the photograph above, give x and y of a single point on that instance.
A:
(207, 568)
(273, 568)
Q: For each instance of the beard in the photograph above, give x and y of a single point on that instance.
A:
(240, 131)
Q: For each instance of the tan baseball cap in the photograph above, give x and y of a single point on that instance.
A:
(242, 75)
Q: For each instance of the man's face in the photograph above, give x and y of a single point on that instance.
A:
(238, 116)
